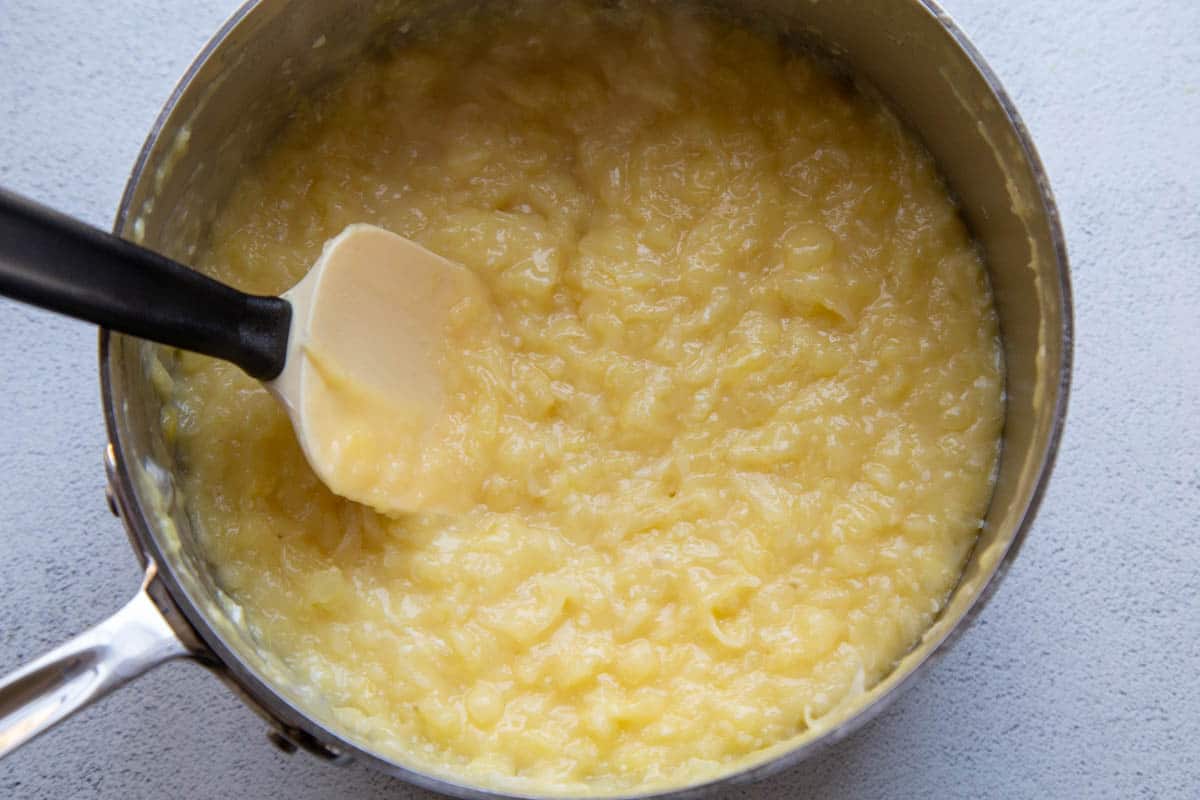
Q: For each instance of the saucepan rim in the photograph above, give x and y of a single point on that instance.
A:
(310, 733)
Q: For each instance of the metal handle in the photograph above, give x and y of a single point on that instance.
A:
(85, 669)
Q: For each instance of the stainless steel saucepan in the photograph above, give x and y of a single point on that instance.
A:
(236, 95)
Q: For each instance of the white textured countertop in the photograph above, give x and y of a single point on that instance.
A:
(1080, 679)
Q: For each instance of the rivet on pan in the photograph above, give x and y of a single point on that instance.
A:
(111, 497)
(281, 742)
(110, 472)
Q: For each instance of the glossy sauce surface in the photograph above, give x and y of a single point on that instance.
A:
(737, 433)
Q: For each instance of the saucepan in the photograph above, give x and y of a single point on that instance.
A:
(274, 53)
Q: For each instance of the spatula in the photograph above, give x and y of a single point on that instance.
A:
(370, 314)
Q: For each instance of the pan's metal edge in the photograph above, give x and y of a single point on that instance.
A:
(269, 700)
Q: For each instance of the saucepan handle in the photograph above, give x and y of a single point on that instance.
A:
(85, 669)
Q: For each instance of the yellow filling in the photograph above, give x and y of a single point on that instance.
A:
(738, 432)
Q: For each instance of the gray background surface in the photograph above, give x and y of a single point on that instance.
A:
(1081, 678)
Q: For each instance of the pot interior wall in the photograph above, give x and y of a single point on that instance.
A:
(282, 50)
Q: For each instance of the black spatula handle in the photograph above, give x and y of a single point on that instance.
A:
(61, 264)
